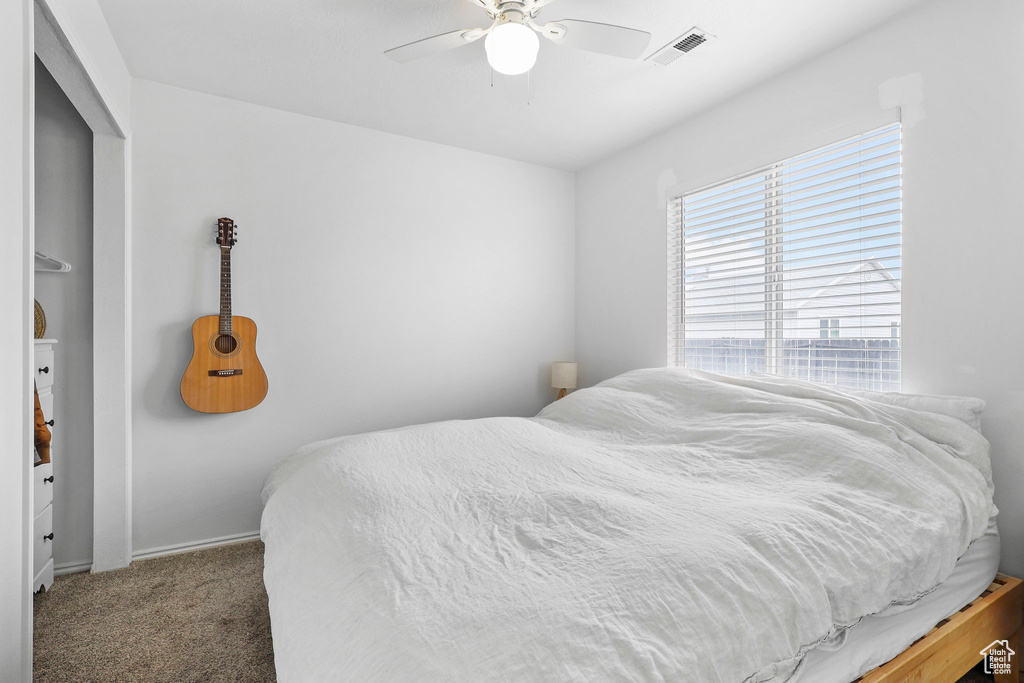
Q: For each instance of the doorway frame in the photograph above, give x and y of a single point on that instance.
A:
(16, 219)
(68, 63)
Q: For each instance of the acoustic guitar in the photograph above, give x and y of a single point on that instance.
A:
(224, 375)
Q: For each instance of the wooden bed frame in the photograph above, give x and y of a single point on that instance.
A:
(954, 646)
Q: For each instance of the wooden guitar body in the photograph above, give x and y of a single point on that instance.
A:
(224, 375)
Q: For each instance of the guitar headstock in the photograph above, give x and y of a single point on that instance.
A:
(227, 232)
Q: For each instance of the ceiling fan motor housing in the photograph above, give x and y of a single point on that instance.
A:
(512, 11)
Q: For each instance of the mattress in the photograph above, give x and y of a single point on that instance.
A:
(879, 638)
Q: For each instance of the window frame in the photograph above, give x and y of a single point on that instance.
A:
(771, 242)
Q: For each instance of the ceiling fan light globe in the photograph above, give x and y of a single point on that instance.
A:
(512, 48)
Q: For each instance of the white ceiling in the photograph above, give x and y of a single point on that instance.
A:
(324, 58)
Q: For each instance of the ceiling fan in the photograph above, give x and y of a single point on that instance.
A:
(511, 40)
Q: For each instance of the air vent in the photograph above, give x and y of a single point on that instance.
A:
(680, 46)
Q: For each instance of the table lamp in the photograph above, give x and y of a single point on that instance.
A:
(563, 376)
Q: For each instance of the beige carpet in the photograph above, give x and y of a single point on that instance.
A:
(189, 618)
(193, 618)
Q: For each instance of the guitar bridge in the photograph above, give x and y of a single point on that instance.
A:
(225, 373)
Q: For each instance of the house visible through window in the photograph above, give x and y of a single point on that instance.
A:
(794, 269)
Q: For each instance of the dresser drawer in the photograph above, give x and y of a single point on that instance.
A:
(42, 544)
(43, 479)
(44, 368)
(46, 403)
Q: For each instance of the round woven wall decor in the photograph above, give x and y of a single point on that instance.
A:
(40, 322)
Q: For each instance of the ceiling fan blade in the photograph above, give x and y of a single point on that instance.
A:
(434, 44)
(607, 39)
(489, 5)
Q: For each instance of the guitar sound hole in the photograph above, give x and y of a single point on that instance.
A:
(225, 344)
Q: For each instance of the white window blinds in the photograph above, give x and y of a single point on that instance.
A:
(794, 269)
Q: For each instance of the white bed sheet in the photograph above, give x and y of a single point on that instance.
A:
(879, 638)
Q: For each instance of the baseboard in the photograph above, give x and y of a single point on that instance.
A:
(76, 567)
(198, 545)
(71, 568)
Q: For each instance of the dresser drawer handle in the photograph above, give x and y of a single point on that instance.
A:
(48, 479)
(49, 422)
(48, 537)
(45, 370)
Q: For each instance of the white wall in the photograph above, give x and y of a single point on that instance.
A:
(64, 212)
(954, 66)
(394, 282)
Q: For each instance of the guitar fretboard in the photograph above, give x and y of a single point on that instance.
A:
(225, 291)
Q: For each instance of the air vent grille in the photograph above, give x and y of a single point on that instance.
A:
(689, 42)
(680, 46)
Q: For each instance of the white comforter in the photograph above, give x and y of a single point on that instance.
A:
(663, 526)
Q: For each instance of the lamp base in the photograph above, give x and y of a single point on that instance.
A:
(561, 394)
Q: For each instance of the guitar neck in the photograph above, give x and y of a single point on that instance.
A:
(225, 291)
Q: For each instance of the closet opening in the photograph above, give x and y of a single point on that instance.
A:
(63, 372)
(80, 216)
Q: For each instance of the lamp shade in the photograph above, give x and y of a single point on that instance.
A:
(512, 48)
(563, 375)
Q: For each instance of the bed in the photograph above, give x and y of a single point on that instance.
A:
(664, 525)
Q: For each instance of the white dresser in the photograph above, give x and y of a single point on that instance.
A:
(42, 525)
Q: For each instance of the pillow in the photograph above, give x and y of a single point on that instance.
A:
(967, 410)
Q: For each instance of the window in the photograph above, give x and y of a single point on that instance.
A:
(794, 269)
(829, 328)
